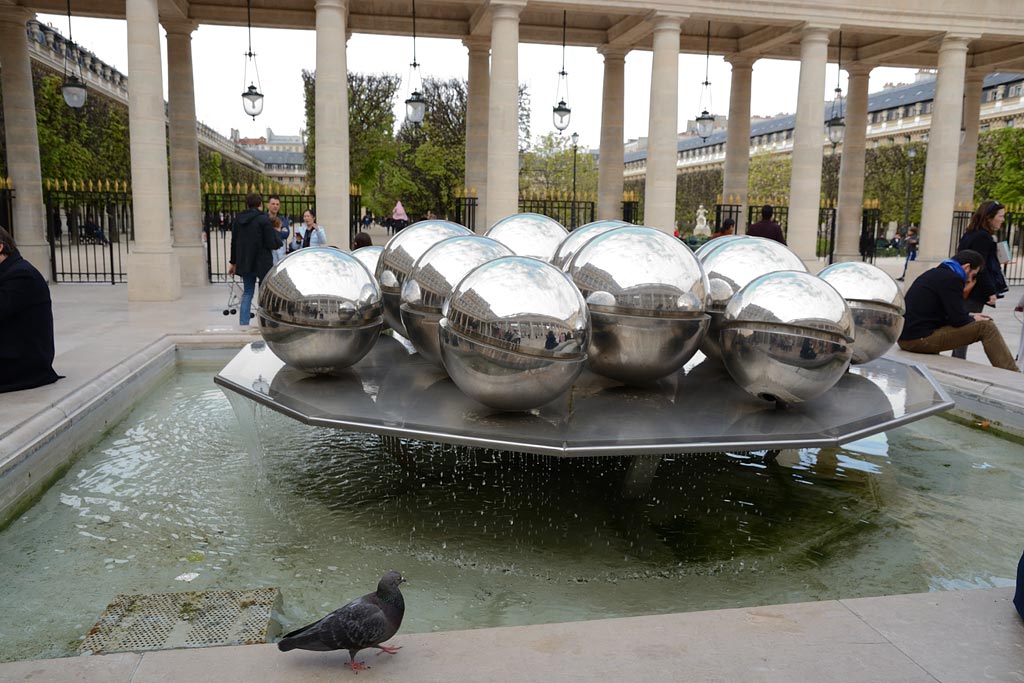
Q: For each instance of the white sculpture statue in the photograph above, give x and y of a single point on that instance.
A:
(700, 228)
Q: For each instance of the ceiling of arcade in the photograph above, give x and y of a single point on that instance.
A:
(876, 32)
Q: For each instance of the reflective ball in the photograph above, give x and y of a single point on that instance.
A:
(398, 257)
(730, 263)
(432, 279)
(876, 302)
(787, 337)
(647, 296)
(369, 257)
(320, 310)
(529, 234)
(580, 236)
(514, 333)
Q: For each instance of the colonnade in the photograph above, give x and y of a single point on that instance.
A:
(158, 266)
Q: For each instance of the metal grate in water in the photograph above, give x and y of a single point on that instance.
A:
(161, 621)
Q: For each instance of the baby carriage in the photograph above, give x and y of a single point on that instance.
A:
(234, 297)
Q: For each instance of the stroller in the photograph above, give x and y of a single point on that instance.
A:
(235, 298)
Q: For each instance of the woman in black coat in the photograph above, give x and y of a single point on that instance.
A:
(989, 284)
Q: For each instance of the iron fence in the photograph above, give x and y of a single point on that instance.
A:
(631, 212)
(825, 246)
(870, 225)
(90, 231)
(723, 211)
(569, 213)
(780, 214)
(465, 212)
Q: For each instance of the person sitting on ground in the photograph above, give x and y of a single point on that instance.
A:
(26, 322)
(728, 228)
(92, 229)
(937, 319)
(362, 239)
(767, 227)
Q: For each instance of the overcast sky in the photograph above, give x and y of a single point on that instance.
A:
(281, 55)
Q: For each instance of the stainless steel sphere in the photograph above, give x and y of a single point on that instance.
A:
(320, 310)
(731, 263)
(529, 234)
(647, 296)
(369, 257)
(514, 333)
(711, 245)
(876, 302)
(580, 236)
(432, 279)
(787, 337)
(398, 257)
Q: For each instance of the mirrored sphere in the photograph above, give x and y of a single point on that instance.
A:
(369, 257)
(398, 257)
(711, 245)
(876, 303)
(647, 296)
(529, 234)
(432, 279)
(731, 263)
(580, 236)
(787, 337)
(320, 310)
(514, 333)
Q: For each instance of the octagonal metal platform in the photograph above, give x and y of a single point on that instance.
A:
(394, 392)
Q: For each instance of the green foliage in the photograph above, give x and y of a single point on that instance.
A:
(547, 168)
(66, 143)
(693, 189)
(1000, 169)
(885, 180)
(769, 177)
(830, 178)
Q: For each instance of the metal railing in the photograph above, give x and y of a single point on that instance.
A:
(90, 227)
(569, 213)
(825, 246)
(6, 208)
(723, 211)
(465, 211)
(780, 214)
(870, 226)
(631, 212)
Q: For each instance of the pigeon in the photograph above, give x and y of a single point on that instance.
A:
(364, 622)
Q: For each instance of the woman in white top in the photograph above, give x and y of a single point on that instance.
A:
(309, 234)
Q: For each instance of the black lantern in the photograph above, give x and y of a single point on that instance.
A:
(73, 89)
(706, 121)
(835, 126)
(252, 98)
(415, 106)
(561, 113)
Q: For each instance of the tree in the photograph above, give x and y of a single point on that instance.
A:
(547, 168)
(693, 189)
(885, 180)
(1007, 185)
(769, 177)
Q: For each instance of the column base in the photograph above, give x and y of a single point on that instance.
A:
(153, 276)
(846, 258)
(39, 256)
(192, 261)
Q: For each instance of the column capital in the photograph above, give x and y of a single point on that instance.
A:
(477, 44)
(856, 69)
(667, 21)
(816, 32)
(331, 4)
(613, 52)
(15, 15)
(741, 61)
(508, 9)
(956, 41)
(179, 26)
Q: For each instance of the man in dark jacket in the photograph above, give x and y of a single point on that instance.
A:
(26, 322)
(937, 319)
(766, 227)
(253, 241)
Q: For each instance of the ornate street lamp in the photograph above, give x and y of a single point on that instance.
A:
(415, 106)
(706, 121)
(252, 98)
(73, 89)
(835, 126)
(561, 113)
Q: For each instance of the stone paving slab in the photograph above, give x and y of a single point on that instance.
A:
(950, 637)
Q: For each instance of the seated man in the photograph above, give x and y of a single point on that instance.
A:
(937, 319)
(26, 322)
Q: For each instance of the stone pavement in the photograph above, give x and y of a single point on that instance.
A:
(955, 636)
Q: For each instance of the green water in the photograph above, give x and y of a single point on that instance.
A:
(489, 539)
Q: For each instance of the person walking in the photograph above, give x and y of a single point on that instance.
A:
(912, 241)
(990, 284)
(253, 241)
(399, 217)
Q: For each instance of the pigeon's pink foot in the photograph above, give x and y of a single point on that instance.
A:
(389, 650)
(358, 666)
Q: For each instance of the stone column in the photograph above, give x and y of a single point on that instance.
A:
(662, 127)
(478, 87)
(503, 114)
(610, 162)
(332, 174)
(153, 272)
(737, 144)
(808, 137)
(23, 139)
(943, 149)
(969, 148)
(851, 166)
(186, 213)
